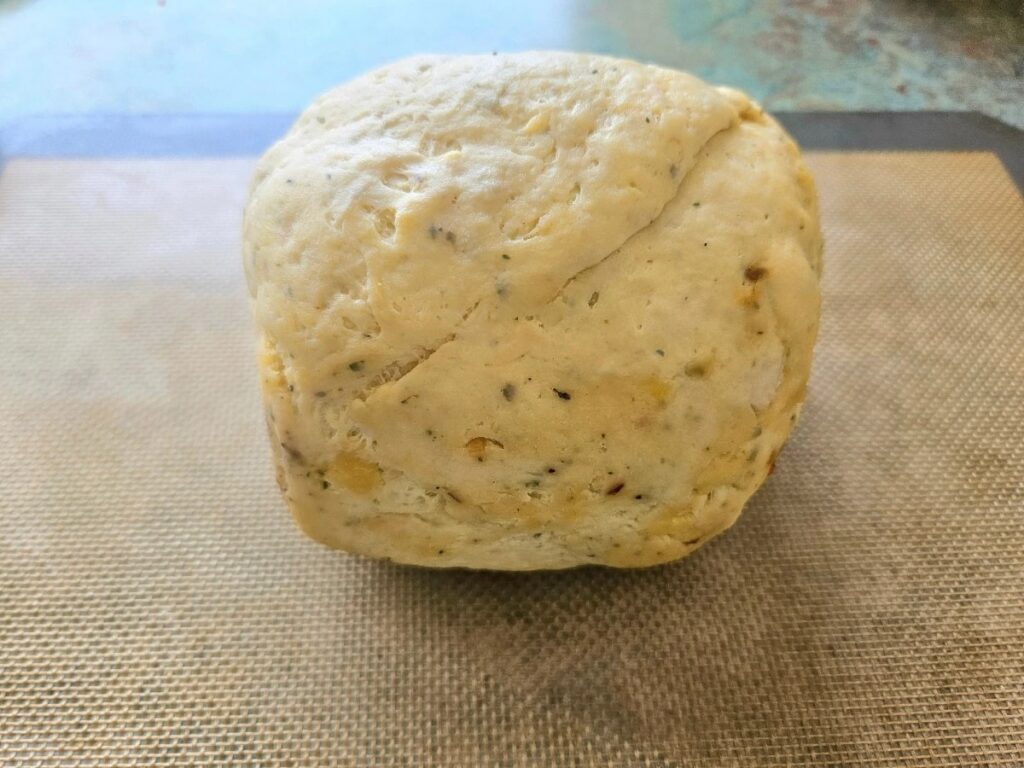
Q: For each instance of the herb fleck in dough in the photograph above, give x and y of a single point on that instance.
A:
(530, 311)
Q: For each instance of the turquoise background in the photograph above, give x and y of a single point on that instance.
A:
(231, 56)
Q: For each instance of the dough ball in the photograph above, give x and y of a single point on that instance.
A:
(530, 311)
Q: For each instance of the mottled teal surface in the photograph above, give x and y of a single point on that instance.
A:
(145, 56)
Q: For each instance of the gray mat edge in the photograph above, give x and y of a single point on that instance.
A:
(219, 135)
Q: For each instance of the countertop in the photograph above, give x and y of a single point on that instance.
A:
(179, 56)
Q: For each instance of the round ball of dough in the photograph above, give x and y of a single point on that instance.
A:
(530, 311)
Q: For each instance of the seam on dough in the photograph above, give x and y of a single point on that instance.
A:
(452, 333)
(422, 357)
(651, 223)
(741, 117)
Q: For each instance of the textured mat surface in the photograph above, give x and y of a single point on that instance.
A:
(158, 607)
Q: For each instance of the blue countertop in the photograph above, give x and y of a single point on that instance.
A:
(187, 56)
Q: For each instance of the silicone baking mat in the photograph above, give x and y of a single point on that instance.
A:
(158, 606)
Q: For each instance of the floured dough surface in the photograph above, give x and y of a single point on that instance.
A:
(530, 311)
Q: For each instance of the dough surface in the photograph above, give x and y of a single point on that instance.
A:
(530, 311)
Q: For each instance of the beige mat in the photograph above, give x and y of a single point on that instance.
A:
(158, 607)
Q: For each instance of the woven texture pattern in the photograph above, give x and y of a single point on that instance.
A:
(158, 607)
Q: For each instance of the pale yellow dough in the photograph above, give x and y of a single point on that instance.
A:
(530, 311)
